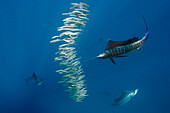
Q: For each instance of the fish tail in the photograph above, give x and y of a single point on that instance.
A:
(114, 104)
(145, 24)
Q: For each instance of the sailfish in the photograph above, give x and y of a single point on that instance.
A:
(125, 97)
(37, 80)
(118, 48)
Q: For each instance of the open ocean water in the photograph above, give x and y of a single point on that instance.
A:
(26, 28)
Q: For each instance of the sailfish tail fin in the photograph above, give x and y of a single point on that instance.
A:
(145, 23)
(147, 31)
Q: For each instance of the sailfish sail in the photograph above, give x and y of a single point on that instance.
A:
(112, 44)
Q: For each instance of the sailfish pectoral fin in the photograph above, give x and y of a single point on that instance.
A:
(112, 60)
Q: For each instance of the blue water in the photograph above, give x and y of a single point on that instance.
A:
(26, 28)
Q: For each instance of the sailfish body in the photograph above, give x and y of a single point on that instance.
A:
(125, 97)
(118, 48)
(35, 79)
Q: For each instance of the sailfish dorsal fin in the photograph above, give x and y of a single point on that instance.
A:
(112, 44)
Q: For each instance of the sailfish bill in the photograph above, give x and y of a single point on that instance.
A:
(118, 48)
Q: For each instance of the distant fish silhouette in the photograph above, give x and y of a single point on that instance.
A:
(117, 48)
(34, 79)
(125, 97)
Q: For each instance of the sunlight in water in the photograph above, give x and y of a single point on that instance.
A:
(71, 68)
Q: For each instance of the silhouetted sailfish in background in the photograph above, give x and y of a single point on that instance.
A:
(117, 48)
(35, 79)
(125, 97)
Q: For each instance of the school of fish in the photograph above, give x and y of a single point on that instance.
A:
(71, 68)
